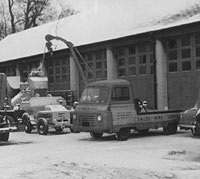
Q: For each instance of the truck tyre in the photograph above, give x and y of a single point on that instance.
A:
(42, 126)
(194, 131)
(11, 121)
(96, 135)
(71, 129)
(170, 129)
(123, 134)
(197, 128)
(4, 136)
(28, 127)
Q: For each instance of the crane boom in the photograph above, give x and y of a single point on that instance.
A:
(73, 51)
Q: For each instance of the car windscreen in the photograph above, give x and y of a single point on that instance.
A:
(95, 95)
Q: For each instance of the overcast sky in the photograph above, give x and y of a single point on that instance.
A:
(94, 5)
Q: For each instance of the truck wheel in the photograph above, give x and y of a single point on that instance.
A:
(143, 131)
(170, 129)
(42, 126)
(123, 134)
(11, 120)
(71, 129)
(194, 131)
(197, 128)
(28, 127)
(4, 136)
(96, 135)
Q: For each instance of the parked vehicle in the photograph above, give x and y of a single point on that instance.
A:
(190, 119)
(55, 116)
(5, 127)
(8, 115)
(110, 107)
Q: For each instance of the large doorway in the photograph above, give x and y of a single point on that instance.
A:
(183, 59)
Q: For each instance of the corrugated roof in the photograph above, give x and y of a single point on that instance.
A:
(119, 19)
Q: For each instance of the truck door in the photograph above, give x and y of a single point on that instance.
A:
(122, 108)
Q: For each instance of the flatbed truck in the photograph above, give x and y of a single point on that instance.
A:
(110, 106)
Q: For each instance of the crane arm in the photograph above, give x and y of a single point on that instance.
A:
(73, 51)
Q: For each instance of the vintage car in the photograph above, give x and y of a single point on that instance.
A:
(190, 119)
(56, 116)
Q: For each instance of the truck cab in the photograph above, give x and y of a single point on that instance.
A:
(110, 107)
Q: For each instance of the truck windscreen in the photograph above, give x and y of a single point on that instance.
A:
(95, 95)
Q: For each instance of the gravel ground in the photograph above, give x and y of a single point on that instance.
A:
(78, 156)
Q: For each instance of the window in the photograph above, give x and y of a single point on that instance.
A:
(95, 95)
(186, 66)
(90, 57)
(197, 38)
(172, 55)
(131, 50)
(142, 59)
(142, 70)
(120, 94)
(64, 61)
(98, 65)
(172, 44)
(185, 41)
(142, 48)
(197, 51)
(186, 53)
(131, 60)
(122, 72)
(132, 71)
(99, 74)
(121, 52)
(198, 64)
(173, 67)
(121, 61)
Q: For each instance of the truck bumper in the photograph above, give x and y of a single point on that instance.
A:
(187, 126)
(7, 129)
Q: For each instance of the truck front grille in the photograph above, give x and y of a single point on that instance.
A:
(86, 120)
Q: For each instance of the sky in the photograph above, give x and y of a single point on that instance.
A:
(156, 8)
(95, 5)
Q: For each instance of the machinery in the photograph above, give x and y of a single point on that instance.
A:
(54, 116)
(7, 114)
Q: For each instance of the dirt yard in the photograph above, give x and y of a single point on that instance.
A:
(77, 156)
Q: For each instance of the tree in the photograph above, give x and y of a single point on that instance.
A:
(18, 15)
(31, 14)
(3, 22)
(66, 10)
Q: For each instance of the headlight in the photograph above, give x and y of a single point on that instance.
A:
(74, 116)
(99, 118)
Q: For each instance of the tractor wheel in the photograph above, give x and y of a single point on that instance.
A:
(96, 135)
(28, 127)
(4, 136)
(123, 134)
(170, 129)
(42, 126)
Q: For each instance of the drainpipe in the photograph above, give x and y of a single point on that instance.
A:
(153, 44)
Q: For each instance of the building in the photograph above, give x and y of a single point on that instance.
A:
(160, 55)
